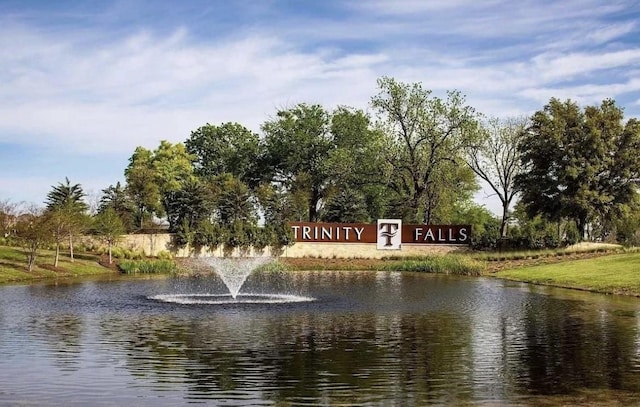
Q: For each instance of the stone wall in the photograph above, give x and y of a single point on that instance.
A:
(153, 244)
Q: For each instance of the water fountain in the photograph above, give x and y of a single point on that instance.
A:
(233, 271)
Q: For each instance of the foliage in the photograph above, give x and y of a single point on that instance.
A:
(422, 132)
(347, 206)
(67, 214)
(109, 227)
(496, 160)
(116, 197)
(147, 266)
(229, 148)
(297, 144)
(142, 186)
(447, 264)
(33, 232)
(579, 164)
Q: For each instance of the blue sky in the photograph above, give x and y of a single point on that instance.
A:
(84, 83)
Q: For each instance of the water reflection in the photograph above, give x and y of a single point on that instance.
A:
(370, 339)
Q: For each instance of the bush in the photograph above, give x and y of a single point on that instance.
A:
(447, 264)
(147, 266)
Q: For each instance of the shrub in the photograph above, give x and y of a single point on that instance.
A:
(147, 266)
(447, 264)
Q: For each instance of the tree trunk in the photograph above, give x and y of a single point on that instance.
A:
(71, 247)
(313, 205)
(109, 248)
(57, 256)
(504, 225)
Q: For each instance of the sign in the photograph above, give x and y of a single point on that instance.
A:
(388, 234)
(437, 234)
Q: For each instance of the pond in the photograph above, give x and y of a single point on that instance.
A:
(361, 338)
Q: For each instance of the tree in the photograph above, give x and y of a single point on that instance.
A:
(116, 197)
(67, 209)
(421, 133)
(347, 206)
(173, 167)
(109, 227)
(8, 217)
(579, 165)
(33, 232)
(228, 148)
(142, 186)
(355, 165)
(297, 144)
(496, 160)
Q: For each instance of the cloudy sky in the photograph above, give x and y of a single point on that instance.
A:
(85, 82)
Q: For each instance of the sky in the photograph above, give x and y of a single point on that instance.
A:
(85, 82)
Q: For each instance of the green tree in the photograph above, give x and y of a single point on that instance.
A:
(422, 132)
(235, 202)
(173, 168)
(67, 211)
(33, 232)
(108, 226)
(355, 165)
(296, 145)
(116, 198)
(142, 186)
(579, 165)
(496, 160)
(347, 206)
(228, 148)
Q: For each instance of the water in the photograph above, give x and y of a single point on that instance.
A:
(233, 271)
(366, 339)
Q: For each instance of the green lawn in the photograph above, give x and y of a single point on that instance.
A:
(13, 266)
(612, 274)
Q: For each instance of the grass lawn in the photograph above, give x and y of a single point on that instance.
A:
(13, 265)
(611, 274)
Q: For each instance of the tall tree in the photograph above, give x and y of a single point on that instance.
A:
(579, 164)
(355, 165)
(228, 148)
(297, 144)
(116, 197)
(422, 131)
(142, 186)
(67, 209)
(108, 226)
(496, 160)
(173, 168)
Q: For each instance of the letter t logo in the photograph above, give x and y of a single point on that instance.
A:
(389, 234)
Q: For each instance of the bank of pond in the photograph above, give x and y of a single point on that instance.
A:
(599, 268)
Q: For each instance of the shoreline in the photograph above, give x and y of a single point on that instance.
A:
(578, 270)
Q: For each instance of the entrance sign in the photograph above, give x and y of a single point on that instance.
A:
(388, 234)
(437, 234)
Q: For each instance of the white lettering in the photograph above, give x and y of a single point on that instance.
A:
(359, 232)
(295, 231)
(451, 238)
(306, 232)
(429, 234)
(315, 233)
(463, 234)
(417, 234)
(337, 233)
(327, 233)
(440, 238)
(346, 232)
